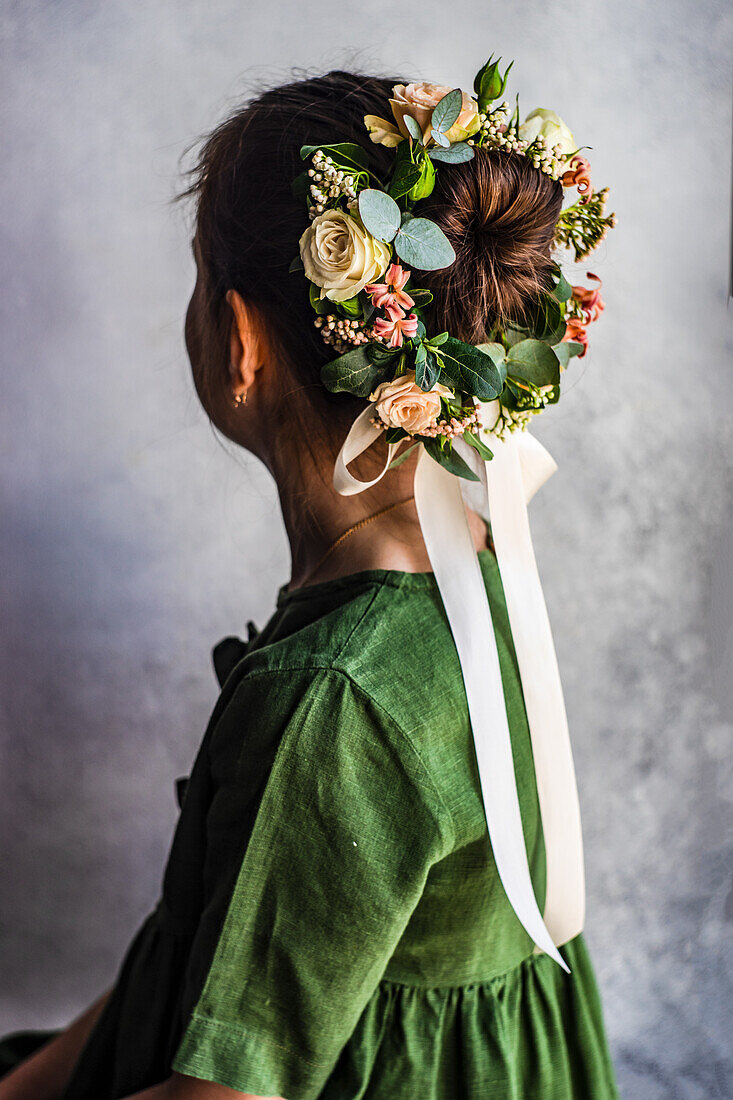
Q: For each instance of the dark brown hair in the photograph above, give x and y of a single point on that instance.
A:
(497, 210)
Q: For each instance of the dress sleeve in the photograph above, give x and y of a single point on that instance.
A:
(346, 831)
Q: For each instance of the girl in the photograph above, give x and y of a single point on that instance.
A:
(331, 922)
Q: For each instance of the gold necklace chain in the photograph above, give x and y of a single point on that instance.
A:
(350, 531)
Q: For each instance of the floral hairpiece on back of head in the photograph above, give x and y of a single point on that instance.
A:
(364, 240)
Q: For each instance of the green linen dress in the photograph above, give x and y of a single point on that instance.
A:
(331, 922)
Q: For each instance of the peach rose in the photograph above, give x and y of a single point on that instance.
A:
(340, 256)
(402, 404)
(419, 100)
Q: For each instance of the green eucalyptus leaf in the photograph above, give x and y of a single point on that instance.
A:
(450, 459)
(478, 444)
(470, 370)
(352, 373)
(345, 150)
(421, 244)
(562, 351)
(425, 183)
(413, 127)
(439, 136)
(447, 111)
(534, 361)
(575, 346)
(296, 264)
(379, 213)
(427, 371)
(457, 153)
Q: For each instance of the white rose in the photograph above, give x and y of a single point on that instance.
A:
(340, 256)
(402, 404)
(551, 126)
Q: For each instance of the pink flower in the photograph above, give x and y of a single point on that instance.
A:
(589, 300)
(396, 328)
(389, 295)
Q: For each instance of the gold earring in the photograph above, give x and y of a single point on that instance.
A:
(240, 399)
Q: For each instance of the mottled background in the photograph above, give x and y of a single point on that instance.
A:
(132, 540)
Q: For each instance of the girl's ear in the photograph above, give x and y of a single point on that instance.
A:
(246, 344)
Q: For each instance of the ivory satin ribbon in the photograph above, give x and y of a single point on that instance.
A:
(519, 467)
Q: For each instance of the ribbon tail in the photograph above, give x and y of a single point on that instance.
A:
(362, 434)
(450, 547)
(514, 473)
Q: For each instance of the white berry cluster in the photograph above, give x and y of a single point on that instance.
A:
(329, 183)
(496, 133)
(341, 333)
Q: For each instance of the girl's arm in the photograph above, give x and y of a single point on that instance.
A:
(180, 1087)
(45, 1074)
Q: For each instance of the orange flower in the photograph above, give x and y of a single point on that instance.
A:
(577, 174)
(575, 330)
(589, 299)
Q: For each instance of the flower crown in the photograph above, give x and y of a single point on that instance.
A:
(363, 230)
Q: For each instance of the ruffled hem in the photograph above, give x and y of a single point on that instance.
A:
(531, 1032)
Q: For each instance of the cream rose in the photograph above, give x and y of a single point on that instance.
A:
(402, 404)
(340, 256)
(419, 100)
(552, 128)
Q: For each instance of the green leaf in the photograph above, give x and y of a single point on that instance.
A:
(413, 127)
(456, 153)
(440, 137)
(546, 317)
(562, 351)
(478, 444)
(320, 305)
(470, 370)
(563, 290)
(425, 183)
(421, 244)
(447, 457)
(301, 185)
(379, 213)
(406, 173)
(296, 264)
(497, 354)
(352, 373)
(534, 361)
(394, 435)
(351, 307)
(421, 298)
(436, 341)
(402, 456)
(427, 371)
(576, 348)
(381, 355)
(447, 111)
(343, 151)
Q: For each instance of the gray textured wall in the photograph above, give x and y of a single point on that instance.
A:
(131, 540)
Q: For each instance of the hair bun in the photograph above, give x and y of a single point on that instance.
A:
(499, 213)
